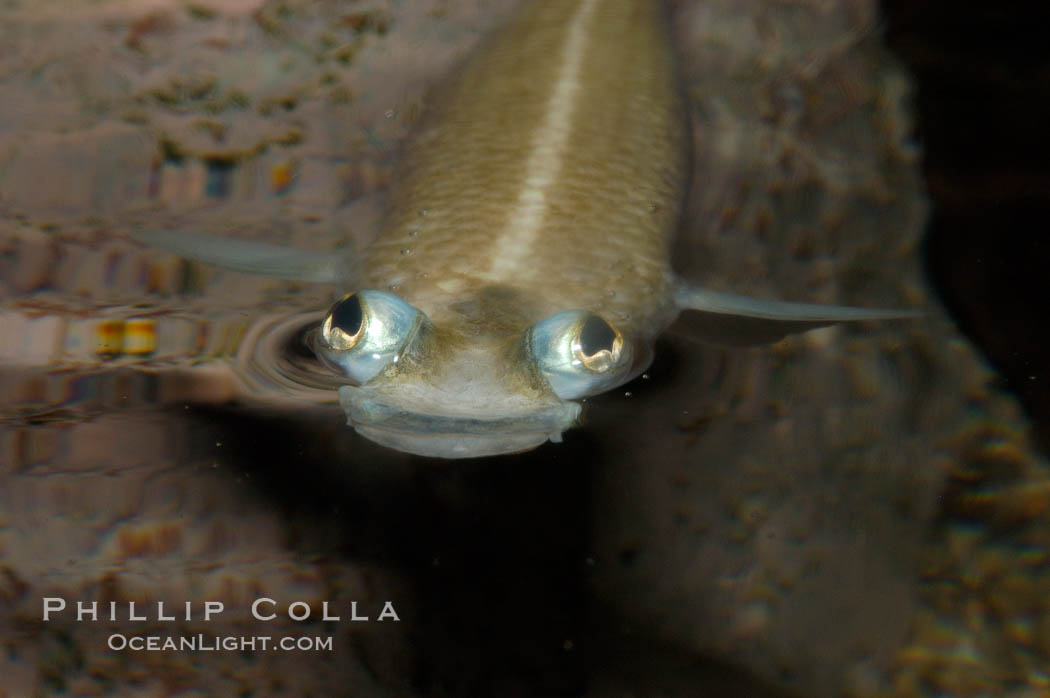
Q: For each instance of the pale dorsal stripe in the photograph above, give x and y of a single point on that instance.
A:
(512, 250)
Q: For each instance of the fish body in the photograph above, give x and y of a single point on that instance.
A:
(524, 262)
(547, 176)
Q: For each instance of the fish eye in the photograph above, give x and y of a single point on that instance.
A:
(599, 343)
(366, 331)
(342, 327)
(579, 353)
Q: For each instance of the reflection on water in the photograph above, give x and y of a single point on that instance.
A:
(851, 511)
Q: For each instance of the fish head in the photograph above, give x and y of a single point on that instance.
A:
(478, 381)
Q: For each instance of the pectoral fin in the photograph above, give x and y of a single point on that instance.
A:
(726, 318)
(249, 257)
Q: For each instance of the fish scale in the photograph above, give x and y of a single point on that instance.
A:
(611, 187)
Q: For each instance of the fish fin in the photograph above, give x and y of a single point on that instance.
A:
(726, 318)
(249, 257)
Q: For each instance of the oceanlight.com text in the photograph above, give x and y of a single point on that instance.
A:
(212, 643)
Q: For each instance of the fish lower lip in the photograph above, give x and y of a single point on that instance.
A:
(453, 435)
(363, 409)
(453, 445)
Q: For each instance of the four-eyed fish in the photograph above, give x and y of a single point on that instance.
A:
(524, 261)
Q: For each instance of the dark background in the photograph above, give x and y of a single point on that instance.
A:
(983, 116)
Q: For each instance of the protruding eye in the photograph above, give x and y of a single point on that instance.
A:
(579, 353)
(366, 331)
(342, 328)
(600, 344)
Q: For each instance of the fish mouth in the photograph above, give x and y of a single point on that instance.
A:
(441, 433)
